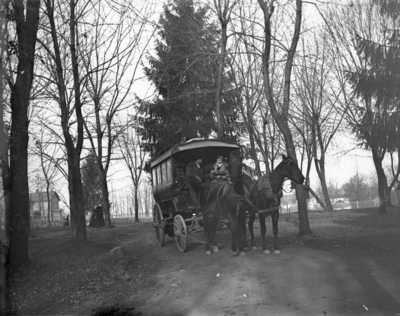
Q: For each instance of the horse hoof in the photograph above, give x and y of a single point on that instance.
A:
(277, 252)
(266, 252)
(208, 252)
(242, 254)
(215, 249)
(254, 248)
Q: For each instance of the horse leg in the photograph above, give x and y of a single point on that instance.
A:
(233, 228)
(242, 221)
(263, 232)
(275, 217)
(207, 236)
(236, 247)
(214, 232)
(252, 217)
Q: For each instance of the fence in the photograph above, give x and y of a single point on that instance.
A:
(292, 208)
(41, 223)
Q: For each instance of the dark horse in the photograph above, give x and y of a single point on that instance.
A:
(264, 198)
(218, 199)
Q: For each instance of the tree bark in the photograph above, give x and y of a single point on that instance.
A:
(384, 199)
(18, 216)
(220, 120)
(5, 302)
(136, 204)
(320, 167)
(78, 220)
(105, 195)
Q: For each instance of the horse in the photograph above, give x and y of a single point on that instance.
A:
(223, 198)
(264, 199)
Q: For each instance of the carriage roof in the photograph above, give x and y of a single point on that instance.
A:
(194, 144)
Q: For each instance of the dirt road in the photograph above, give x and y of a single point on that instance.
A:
(299, 281)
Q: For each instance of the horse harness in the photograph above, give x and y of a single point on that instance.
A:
(269, 195)
(228, 191)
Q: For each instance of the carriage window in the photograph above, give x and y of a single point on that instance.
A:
(158, 175)
(154, 177)
(163, 173)
(168, 170)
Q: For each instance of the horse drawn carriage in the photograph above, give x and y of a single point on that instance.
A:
(173, 211)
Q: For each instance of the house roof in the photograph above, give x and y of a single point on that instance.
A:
(42, 196)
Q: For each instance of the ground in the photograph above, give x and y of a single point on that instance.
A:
(349, 266)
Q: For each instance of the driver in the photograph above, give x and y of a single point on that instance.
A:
(194, 173)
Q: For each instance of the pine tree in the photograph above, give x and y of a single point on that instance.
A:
(378, 84)
(184, 72)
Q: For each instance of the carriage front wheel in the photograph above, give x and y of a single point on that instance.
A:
(158, 224)
(180, 232)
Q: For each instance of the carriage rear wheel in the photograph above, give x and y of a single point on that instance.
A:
(159, 225)
(180, 232)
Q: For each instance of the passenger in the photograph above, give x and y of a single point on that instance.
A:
(220, 170)
(194, 174)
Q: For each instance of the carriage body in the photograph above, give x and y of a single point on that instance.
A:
(172, 199)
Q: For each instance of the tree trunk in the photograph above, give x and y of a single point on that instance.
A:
(18, 216)
(136, 204)
(320, 167)
(382, 182)
(48, 206)
(281, 118)
(104, 191)
(78, 220)
(219, 80)
(5, 301)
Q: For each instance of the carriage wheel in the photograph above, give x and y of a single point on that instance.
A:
(181, 233)
(159, 225)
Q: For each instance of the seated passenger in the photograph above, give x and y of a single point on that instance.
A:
(219, 170)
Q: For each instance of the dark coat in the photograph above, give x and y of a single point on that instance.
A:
(192, 170)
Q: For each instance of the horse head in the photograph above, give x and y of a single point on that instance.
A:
(235, 169)
(291, 170)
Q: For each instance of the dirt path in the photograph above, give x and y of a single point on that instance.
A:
(350, 266)
(300, 281)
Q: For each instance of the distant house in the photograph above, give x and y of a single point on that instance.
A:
(39, 206)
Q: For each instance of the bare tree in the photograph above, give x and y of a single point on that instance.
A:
(16, 190)
(258, 125)
(224, 10)
(134, 158)
(67, 36)
(281, 116)
(111, 57)
(316, 113)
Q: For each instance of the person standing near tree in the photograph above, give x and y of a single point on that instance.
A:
(194, 174)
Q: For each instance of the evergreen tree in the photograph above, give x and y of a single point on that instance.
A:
(378, 85)
(184, 72)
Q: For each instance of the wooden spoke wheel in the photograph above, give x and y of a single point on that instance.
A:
(158, 224)
(180, 232)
